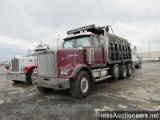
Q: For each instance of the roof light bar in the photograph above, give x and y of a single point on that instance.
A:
(90, 28)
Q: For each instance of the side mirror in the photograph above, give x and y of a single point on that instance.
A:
(107, 28)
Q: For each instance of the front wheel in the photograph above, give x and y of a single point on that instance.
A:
(81, 86)
(16, 81)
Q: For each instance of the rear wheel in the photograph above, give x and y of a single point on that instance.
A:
(129, 70)
(44, 90)
(115, 71)
(80, 87)
(123, 71)
(28, 77)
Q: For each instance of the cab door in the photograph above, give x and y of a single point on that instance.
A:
(98, 51)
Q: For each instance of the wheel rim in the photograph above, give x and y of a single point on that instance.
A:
(116, 71)
(84, 85)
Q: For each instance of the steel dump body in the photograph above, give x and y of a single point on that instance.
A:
(119, 50)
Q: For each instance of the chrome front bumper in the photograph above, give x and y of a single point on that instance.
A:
(17, 77)
(55, 83)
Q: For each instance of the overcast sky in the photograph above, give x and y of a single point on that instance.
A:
(25, 23)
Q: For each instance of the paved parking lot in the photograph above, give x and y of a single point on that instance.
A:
(139, 92)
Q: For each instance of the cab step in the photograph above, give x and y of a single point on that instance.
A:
(100, 79)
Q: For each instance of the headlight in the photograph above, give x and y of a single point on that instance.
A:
(64, 72)
(35, 70)
(22, 68)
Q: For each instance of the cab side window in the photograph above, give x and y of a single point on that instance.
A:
(96, 41)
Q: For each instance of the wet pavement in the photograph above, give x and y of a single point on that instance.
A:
(139, 92)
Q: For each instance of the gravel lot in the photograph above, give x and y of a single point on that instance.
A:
(139, 92)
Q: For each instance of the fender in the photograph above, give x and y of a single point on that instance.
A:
(83, 67)
(28, 68)
(80, 67)
(75, 72)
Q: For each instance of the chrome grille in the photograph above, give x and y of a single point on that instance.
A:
(15, 65)
(46, 64)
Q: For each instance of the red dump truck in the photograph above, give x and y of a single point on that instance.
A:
(89, 54)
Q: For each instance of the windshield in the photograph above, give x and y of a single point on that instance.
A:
(77, 42)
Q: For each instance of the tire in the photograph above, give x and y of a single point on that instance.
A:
(138, 66)
(115, 71)
(16, 82)
(81, 86)
(123, 72)
(28, 77)
(129, 69)
(44, 90)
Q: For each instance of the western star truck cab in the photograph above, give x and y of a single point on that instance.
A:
(22, 67)
(89, 54)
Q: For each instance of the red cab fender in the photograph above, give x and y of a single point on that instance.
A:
(79, 68)
(28, 68)
(82, 67)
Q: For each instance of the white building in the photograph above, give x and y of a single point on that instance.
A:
(154, 54)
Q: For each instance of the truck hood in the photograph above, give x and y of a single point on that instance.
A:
(69, 56)
(23, 57)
